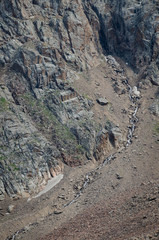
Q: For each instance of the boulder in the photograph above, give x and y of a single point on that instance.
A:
(2, 191)
(154, 108)
(102, 101)
(136, 92)
(10, 208)
(155, 80)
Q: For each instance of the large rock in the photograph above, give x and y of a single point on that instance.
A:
(2, 191)
(135, 92)
(154, 108)
(102, 101)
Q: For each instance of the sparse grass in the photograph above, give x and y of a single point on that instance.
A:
(2, 157)
(3, 104)
(48, 123)
(7, 165)
(80, 149)
(108, 125)
(61, 130)
(156, 128)
(14, 167)
(86, 96)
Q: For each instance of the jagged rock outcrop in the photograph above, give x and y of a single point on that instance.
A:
(128, 29)
(43, 46)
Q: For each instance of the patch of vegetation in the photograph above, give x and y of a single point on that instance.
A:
(86, 96)
(80, 149)
(61, 130)
(90, 123)
(110, 107)
(108, 125)
(51, 127)
(7, 165)
(3, 104)
(14, 167)
(2, 157)
(156, 128)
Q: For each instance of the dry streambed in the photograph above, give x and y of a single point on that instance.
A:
(131, 129)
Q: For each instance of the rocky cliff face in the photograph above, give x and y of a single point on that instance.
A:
(44, 47)
(128, 29)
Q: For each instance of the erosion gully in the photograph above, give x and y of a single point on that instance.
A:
(133, 122)
(131, 129)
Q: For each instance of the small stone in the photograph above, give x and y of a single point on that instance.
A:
(2, 197)
(118, 176)
(62, 197)
(58, 211)
(15, 197)
(154, 108)
(155, 80)
(151, 199)
(10, 208)
(27, 228)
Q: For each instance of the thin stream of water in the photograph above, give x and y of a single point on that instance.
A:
(131, 130)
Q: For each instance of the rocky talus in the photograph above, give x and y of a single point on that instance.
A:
(46, 47)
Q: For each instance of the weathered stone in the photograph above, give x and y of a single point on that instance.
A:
(154, 108)
(2, 191)
(118, 176)
(10, 208)
(136, 92)
(155, 80)
(111, 60)
(2, 197)
(58, 211)
(102, 101)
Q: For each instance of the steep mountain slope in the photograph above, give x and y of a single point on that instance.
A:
(42, 48)
(65, 98)
(115, 200)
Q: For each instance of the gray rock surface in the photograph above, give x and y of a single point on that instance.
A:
(43, 47)
(10, 208)
(102, 101)
(136, 92)
(154, 108)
